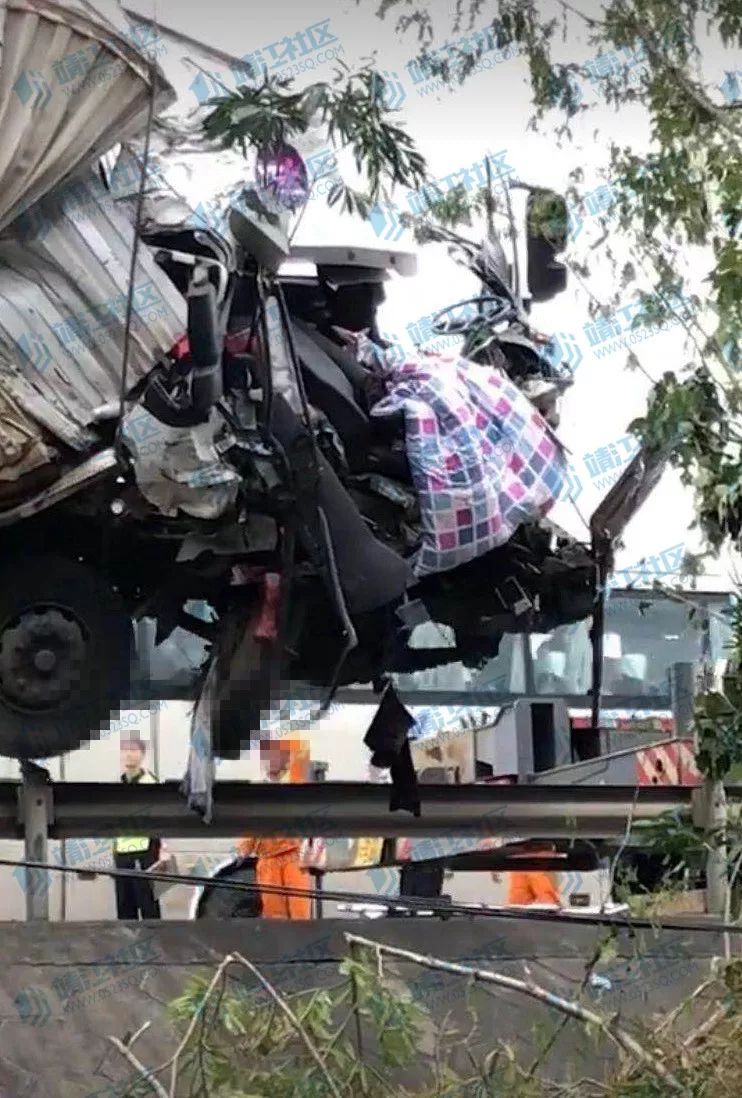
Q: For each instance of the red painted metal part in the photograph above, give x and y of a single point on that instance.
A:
(266, 626)
(671, 763)
(636, 722)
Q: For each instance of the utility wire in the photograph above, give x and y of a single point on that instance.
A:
(621, 922)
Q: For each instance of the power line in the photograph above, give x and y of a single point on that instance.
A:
(409, 902)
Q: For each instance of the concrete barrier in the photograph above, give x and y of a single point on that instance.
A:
(66, 987)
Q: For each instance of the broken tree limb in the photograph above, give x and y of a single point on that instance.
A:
(707, 1026)
(576, 1010)
(597, 954)
(668, 1020)
(174, 1061)
(144, 1073)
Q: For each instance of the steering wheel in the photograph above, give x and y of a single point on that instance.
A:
(489, 309)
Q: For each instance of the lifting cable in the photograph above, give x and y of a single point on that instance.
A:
(411, 903)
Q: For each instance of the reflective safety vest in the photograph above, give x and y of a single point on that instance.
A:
(135, 844)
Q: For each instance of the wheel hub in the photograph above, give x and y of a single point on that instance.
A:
(41, 657)
(45, 660)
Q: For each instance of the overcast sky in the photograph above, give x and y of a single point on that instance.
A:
(490, 113)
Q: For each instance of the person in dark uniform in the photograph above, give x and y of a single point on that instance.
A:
(135, 896)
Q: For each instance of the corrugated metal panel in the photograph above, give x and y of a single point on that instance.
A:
(63, 308)
(72, 84)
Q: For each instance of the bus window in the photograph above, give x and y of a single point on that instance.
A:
(655, 632)
(562, 660)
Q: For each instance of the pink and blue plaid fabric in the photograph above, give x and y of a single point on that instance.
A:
(482, 458)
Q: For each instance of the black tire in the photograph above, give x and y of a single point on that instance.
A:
(232, 903)
(51, 601)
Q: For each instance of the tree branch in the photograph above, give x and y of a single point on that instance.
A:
(598, 952)
(144, 1073)
(707, 1026)
(607, 1025)
(590, 20)
(284, 1007)
(668, 1020)
(174, 1061)
(694, 91)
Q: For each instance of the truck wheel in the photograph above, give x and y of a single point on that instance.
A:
(232, 903)
(65, 655)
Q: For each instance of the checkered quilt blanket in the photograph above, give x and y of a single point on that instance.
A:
(482, 458)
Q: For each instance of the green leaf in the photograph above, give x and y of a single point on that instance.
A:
(335, 193)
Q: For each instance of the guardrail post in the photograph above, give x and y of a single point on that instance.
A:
(711, 806)
(717, 874)
(319, 774)
(35, 814)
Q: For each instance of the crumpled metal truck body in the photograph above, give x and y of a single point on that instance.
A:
(72, 85)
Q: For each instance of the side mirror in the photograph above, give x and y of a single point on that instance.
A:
(547, 220)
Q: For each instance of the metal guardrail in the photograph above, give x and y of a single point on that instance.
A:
(333, 809)
(35, 810)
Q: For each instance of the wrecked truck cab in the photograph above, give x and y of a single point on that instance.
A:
(223, 431)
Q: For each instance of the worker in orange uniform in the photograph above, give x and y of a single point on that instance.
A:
(278, 859)
(532, 886)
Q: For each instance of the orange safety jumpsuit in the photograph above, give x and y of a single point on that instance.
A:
(278, 859)
(532, 886)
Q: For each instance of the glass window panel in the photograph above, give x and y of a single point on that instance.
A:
(644, 635)
(506, 672)
(562, 660)
(720, 633)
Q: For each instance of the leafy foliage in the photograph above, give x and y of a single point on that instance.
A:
(242, 1043)
(719, 726)
(247, 1046)
(718, 715)
(266, 115)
